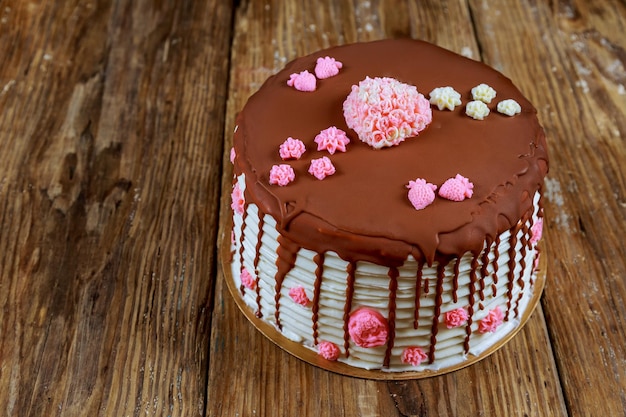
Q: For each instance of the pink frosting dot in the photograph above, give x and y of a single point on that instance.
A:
(492, 320)
(291, 149)
(457, 189)
(421, 193)
(413, 355)
(368, 328)
(536, 232)
(247, 280)
(237, 200)
(298, 295)
(321, 168)
(456, 318)
(282, 175)
(327, 67)
(332, 140)
(328, 351)
(304, 81)
(384, 111)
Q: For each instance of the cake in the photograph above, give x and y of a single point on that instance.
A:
(387, 207)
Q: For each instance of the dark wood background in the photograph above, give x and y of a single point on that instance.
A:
(115, 124)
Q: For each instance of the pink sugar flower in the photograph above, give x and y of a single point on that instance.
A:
(247, 280)
(298, 295)
(327, 67)
(421, 193)
(321, 168)
(282, 175)
(304, 81)
(384, 111)
(491, 321)
(291, 149)
(332, 140)
(413, 355)
(368, 328)
(237, 200)
(457, 189)
(536, 232)
(328, 351)
(232, 155)
(456, 318)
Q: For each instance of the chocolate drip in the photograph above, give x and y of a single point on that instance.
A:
(257, 258)
(418, 289)
(426, 286)
(483, 269)
(511, 272)
(455, 280)
(437, 311)
(348, 307)
(470, 308)
(319, 272)
(393, 288)
(287, 252)
(241, 249)
(496, 258)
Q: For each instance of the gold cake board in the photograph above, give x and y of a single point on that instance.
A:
(310, 356)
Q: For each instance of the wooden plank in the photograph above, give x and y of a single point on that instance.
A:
(575, 73)
(250, 376)
(111, 122)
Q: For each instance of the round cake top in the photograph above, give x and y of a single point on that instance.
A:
(362, 210)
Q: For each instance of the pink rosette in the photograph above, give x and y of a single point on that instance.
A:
(421, 193)
(413, 355)
(291, 149)
(456, 318)
(457, 189)
(368, 328)
(327, 67)
(384, 111)
(332, 140)
(247, 280)
(536, 232)
(304, 81)
(328, 351)
(281, 175)
(237, 200)
(321, 168)
(492, 320)
(298, 295)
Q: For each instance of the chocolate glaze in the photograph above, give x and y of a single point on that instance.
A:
(362, 212)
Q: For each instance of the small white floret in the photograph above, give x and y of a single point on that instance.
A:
(477, 110)
(483, 93)
(445, 98)
(509, 107)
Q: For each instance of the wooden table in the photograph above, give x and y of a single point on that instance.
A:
(115, 124)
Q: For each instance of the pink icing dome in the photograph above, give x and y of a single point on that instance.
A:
(328, 350)
(413, 355)
(491, 322)
(384, 111)
(237, 200)
(368, 328)
(282, 175)
(298, 295)
(456, 318)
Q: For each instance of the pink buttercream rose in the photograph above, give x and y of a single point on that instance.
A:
(291, 149)
(237, 200)
(457, 189)
(368, 328)
(303, 81)
(492, 320)
(456, 318)
(298, 295)
(413, 355)
(282, 175)
(421, 193)
(321, 168)
(328, 350)
(332, 140)
(536, 232)
(327, 67)
(247, 280)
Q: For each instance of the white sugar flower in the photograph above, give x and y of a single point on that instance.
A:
(483, 93)
(509, 107)
(477, 110)
(445, 98)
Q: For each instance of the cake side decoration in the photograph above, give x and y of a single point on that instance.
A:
(368, 328)
(421, 193)
(332, 140)
(457, 189)
(484, 93)
(328, 350)
(322, 167)
(232, 155)
(237, 199)
(490, 323)
(303, 81)
(456, 318)
(384, 111)
(477, 110)
(413, 355)
(445, 98)
(247, 280)
(327, 67)
(509, 107)
(282, 175)
(536, 231)
(291, 149)
(298, 295)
